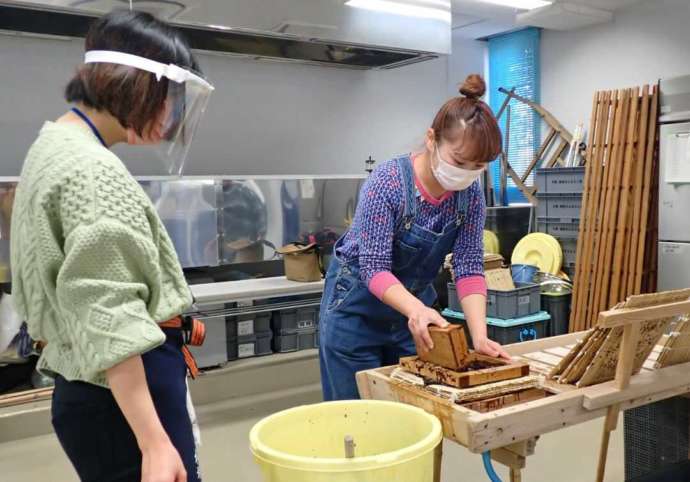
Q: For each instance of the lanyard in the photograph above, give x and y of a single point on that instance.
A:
(90, 124)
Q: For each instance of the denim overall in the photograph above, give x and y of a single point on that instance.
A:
(357, 330)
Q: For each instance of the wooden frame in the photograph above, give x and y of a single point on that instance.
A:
(499, 370)
(556, 130)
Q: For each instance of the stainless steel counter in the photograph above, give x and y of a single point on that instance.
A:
(252, 289)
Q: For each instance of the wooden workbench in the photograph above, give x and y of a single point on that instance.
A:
(510, 432)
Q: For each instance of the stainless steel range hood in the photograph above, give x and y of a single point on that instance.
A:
(326, 32)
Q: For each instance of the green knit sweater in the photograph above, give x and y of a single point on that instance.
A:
(93, 268)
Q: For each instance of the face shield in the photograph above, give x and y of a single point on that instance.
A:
(186, 101)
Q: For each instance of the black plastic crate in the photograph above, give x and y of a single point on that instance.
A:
(301, 340)
(570, 269)
(527, 328)
(292, 320)
(558, 306)
(505, 332)
(656, 439)
(248, 325)
(511, 224)
(560, 180)
(569, 247)
(250, 346)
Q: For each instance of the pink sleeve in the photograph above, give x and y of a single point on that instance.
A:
(380, 282)
(471, 285)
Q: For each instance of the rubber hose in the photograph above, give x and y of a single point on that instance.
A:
(486, 458)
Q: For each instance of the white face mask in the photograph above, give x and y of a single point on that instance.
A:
(453, 178)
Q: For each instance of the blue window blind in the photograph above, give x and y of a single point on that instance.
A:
(514, 62)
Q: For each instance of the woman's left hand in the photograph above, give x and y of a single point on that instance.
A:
(490, 348)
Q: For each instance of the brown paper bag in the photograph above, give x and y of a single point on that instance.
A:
(302, 262)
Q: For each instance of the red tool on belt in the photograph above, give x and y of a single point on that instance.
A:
(193, 334)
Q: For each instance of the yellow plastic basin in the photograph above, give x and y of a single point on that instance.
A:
(394, 442)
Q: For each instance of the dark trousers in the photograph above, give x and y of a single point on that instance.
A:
(95, 434)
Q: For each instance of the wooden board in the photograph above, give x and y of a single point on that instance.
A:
(500, 370)
(544, 358)
(495, 403)
(481, 392)
(676, 350)
(26, 396)
(450, 347)
(499, 279)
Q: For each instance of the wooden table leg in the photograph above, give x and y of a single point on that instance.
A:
(438, 459)
(515, 475)
(626, 359)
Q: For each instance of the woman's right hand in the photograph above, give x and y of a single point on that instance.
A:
(419, 320)
(162, 463)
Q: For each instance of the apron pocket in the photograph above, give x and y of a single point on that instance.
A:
(342, 288)
(403, 255)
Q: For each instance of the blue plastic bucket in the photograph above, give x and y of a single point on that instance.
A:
(523, 273)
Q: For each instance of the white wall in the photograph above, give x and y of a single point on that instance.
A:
(264, 118)
(644, 43)
(468, 58)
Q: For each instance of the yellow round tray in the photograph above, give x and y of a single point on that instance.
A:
(557, 251)
(491, 244)
(536, 251)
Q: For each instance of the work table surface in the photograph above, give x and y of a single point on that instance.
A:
(249, 289)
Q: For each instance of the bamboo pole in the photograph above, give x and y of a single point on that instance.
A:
(586, 218)
(611, 164)
(623, 201)
(649, 171)
(637, 205)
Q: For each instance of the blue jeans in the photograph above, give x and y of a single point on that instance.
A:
(352, 343)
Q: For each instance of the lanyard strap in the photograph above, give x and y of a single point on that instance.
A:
(85, 118)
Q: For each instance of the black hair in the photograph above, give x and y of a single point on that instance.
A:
(134, 99)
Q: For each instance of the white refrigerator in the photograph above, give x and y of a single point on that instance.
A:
(674, 185)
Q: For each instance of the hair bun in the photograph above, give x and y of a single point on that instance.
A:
(474, 86)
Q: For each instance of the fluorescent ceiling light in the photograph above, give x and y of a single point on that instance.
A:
(520, 4)
(434, 9)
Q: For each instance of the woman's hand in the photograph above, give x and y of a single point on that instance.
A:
(419, 320)
(162, 463)
(490, 348)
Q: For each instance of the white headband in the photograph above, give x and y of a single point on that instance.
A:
(169, 71)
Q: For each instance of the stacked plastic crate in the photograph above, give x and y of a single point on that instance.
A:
(295, 329)
(513, 316)
(559, 194)
(249, 335)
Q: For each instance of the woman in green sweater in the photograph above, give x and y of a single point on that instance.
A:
(94, 272)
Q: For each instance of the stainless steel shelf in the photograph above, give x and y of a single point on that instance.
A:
(252, 289)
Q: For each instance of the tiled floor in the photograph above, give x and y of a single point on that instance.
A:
(568, 455)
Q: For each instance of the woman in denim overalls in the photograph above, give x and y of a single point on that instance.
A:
(412, 212)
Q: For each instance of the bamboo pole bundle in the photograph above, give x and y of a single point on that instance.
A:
(616, 251)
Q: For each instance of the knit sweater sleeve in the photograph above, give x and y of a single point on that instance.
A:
(468, 252)
(109, 276)
(102, 289)
(377, 212)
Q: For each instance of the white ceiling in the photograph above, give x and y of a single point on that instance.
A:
(477, 19)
